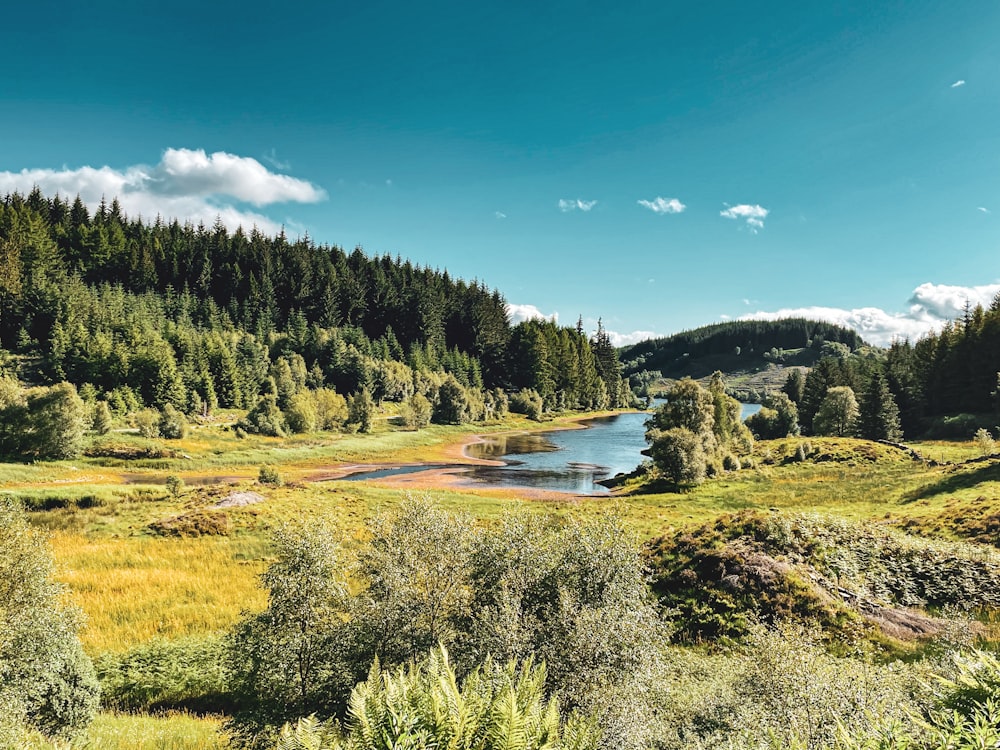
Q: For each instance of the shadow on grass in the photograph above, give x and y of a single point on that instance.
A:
(955, 481)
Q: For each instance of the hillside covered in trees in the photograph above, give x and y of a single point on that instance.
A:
(138, 312)
(735, 345)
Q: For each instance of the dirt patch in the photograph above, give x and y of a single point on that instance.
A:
(238, 500)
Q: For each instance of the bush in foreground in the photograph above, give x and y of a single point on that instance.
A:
(46, 681)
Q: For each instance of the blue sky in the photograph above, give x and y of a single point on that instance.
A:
(660, 165)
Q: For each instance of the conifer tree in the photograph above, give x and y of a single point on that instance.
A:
(879, 416)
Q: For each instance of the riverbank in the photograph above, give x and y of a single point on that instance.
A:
(453, 471)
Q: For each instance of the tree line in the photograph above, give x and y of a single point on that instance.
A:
(154, 314)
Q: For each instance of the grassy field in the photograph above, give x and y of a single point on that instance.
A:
(144, 564)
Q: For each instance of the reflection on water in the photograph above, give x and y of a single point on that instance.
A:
(563, 460)
(392, 471)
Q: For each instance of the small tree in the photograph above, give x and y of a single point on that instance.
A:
(527, 402)
(678, 454)
(269, 476)
(361, 410)
(281, 658)
(301, 414)
(265, 418)
(101, 420)
(172, 423)
(985, 442)
(174, 485)
(838, 413)
(453, 403)
(331, 409)
(795, 385)
(147, 422)
(46, 680)
(57, 423)
(416, 412)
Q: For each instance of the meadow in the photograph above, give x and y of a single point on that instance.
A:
(150, 565)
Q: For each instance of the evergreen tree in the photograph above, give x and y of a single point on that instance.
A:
(878, 418)
(794, 386)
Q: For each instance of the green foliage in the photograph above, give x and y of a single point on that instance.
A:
(693, 432)
(264, 419)
(679, 455)
(423, 705)
(301, 414)
(416, 589)
(186, 674)
(281, 659)
(838, 413)
(147, 422)
(269, 476)
(878, 417)
(172, 424)
(174, 485)
(101, 420)
(985, 442)
(453, 403)
(527, 402)
(778, 418)
(51, 423)
(331, 409)
(570, 594)
(361, 411)
(46, 681)
(670, 356)
(416, 412)
(722, 576)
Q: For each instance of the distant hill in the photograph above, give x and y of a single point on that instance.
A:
(742, 346)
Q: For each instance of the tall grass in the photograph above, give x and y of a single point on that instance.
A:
(135, 589)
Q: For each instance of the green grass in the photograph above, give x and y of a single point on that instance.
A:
(113, 731)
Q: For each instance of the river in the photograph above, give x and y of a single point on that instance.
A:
(563, 460)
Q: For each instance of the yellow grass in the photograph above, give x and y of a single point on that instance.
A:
(135, 589)
(171, 732)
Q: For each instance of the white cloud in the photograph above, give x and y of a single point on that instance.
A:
(187, 184)
(572, 205)
(521, 313)
(753, 215)
(929, 308)
(624, 339)
(959, 82)
(663, 206)
(500, 215)
(983, 209)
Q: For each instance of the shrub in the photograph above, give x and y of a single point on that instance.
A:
(527, 402)
(361, 411)
(186, 674)
(101, 419)
(174, 485)
(46, 680)
(301, 415)
(173, 425)
(985, 442)
(264, 419)
(269, 476)
(148, 423)
(416, 412)
(679, 455)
